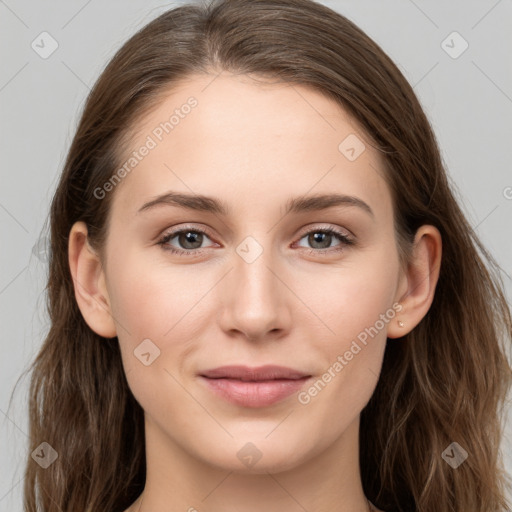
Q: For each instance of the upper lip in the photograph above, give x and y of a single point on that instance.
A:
(259, 373)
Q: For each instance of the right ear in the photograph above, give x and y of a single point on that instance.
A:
(89, 283)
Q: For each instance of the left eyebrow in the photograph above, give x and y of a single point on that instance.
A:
(323, 202)
(294, 205)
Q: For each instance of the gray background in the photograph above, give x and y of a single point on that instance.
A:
(467, 99)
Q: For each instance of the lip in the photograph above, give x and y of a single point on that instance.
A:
(254, 386)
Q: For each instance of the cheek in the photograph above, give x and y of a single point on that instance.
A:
(150, 296)
(159, 309)
(350, 298)
(358, 309)
(153, 331)
(357, 306)
(151, 305)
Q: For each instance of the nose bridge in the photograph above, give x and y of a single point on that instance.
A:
(257, 302)
(252, 271)
(252, 267)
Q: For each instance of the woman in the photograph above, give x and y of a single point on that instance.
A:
(209, 350)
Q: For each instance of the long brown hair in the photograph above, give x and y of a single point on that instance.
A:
(444, 382)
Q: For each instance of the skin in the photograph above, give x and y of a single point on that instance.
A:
(253, 146)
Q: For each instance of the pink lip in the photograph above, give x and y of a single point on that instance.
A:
(254, 387)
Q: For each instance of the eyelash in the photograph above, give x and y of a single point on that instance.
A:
(344, 239)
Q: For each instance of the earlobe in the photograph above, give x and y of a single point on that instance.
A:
(89, 283)
(420, 281)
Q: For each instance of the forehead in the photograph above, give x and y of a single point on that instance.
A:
(244, 138)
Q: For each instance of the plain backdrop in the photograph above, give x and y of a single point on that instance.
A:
(466, 93)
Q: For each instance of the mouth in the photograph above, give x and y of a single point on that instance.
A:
(254, 387)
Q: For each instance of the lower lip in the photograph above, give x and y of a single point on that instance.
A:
(255, 393)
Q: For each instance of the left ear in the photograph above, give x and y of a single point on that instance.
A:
(416, 291)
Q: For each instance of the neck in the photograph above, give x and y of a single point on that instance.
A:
(175, 480)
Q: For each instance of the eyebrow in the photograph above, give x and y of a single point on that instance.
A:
(294, 205)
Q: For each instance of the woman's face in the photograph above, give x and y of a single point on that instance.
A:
(257, 280)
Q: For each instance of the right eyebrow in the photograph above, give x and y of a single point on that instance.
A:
(190, 201)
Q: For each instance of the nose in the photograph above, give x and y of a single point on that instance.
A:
(255, 301)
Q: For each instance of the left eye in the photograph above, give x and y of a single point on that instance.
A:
(324, 237)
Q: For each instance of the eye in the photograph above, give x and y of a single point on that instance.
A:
(321, 239)
(190, 240)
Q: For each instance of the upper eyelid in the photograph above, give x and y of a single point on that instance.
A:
(173, 232)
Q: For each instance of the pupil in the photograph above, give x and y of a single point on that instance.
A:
(319, 238)
(188, 238)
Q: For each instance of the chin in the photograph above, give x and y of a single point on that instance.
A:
(257, 456)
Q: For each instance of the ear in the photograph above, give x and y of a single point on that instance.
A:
(89, 283)
(418, 283)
